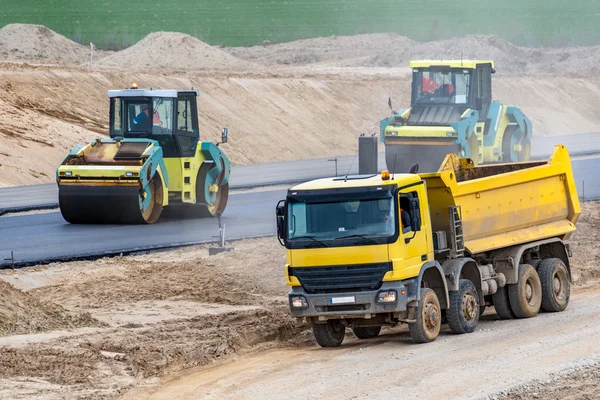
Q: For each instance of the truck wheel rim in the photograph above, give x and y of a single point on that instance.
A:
(431, 316)
(528, 291)
(469, 306)
(559, 285)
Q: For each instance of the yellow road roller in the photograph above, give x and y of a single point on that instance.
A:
(154, 158)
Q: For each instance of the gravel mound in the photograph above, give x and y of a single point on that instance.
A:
(323, 49)
(392, 50)
(36, 43)
(175, 51)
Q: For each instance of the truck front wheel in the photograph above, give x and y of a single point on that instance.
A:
(556, 289)
(526, 295)
(428, 322)
(463, 314)
(366, 332)
(330, 334)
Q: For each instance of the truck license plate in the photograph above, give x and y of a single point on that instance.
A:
(341, 300)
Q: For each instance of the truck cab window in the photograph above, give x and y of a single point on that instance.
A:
(408, 213)
(405, 213)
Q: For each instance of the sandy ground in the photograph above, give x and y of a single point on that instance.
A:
(298, 100)
(45, 111)
(183, 322)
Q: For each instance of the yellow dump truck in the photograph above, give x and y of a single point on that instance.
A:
(368, 251)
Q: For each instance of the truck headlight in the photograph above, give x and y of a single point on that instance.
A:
(68, 173)
(128, 173)
(298, 302)
(387, 296)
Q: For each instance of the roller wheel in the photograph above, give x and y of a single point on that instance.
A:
(366, 332)
(556, 288)
(463, 314)
(206, 211)
(428, 322)
(512, 149)
(154, 210)
(502, 304)
(330, 334)
(525, 296)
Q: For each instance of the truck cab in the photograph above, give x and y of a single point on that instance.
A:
(367, 251)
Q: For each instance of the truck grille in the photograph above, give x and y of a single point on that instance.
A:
(341, 278)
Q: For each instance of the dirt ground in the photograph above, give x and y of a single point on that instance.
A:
(276, 105)
(151, 325)
(188, 325)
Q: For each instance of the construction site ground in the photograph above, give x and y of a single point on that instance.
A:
(182, 324)
(300, 100)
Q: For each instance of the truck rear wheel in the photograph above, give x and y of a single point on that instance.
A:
(366, 332)
(502, 304)
(428, 322)
(556, 288)
(526, 295)
(330, 334)
(463, 314)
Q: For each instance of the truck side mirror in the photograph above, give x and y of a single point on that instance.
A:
(415, 214)
(224, 133)
(390, 105)
(280, 213)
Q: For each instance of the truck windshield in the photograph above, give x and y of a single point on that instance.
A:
(338, 220)
(449, 86)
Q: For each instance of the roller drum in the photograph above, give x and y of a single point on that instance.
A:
(102, 205)
(428, 154)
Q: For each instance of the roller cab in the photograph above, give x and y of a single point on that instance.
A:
(452, 112)
(153, 159)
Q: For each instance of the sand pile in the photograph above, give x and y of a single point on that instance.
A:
(323, 49)
(507, 57)
(22, 313)
(392, 50)
(36, 43)
(176, 51)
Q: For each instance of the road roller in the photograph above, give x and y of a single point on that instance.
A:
(153, 159)
(452, 112)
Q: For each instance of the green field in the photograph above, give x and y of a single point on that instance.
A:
(119, 23)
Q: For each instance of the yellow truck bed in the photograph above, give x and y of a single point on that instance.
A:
(505, 204)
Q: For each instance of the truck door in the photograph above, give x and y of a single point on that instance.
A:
(411, 250)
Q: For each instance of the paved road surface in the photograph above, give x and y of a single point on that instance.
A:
(245, 176)
(41, 237)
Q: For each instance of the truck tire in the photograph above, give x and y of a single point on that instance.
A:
(556, 288)
(463, 313)
(525, 296)
(366, 332)
(428, 322)
(330, 334)
(502, 304)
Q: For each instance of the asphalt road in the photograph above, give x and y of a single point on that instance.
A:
(23, 198)
(46, 237)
